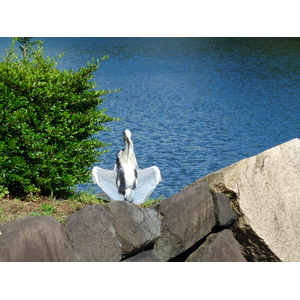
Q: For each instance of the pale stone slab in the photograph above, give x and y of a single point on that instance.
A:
(265, 190)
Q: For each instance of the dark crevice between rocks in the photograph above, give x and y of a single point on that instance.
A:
(253, 247)
(156, 207)
(233, 201)
(70, 241)
(216, 212)
(137, 251)
(229, 222)
(182, 257)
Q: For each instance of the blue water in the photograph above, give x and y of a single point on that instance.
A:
(193, 105)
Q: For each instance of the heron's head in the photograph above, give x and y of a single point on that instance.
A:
(126, 134)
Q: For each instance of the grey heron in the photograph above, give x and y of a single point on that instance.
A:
(126, 181)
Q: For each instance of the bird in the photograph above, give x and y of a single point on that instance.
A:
(126, 182)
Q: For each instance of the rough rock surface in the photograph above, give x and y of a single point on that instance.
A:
(265, 190)
(219, 247)
(34, 239)
(112, 231)
(225, 216)
(187, 217)
(197, 224)
(137, 227)
(93, 236)
(144, 256)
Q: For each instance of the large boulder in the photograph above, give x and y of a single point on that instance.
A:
(187, 217)
(113, 231)
(265, 193)
(92, 235)
(34, 239)
(137, 227)
(218, 247)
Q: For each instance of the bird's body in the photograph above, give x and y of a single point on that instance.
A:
(126, 166)
(126, 181)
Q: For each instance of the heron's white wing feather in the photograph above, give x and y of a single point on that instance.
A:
(106, 179)
(147, 180)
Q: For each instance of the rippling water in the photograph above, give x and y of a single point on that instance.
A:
(193, 105)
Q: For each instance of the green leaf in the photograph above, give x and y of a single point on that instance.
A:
(47, 121)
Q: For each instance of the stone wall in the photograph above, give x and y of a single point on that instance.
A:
(249, 211)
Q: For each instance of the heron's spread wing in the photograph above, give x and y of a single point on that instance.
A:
(106, 179)
(147, 180)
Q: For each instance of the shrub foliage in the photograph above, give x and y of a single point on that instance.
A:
(47, 119)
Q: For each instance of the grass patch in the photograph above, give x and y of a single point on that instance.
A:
(12, 208)
(45, 210)
(152, 201)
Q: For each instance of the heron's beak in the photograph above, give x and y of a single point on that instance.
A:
(125, 138)
(126, 135)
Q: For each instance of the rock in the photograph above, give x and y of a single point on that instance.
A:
(219, 247)
(34, 239)
(265, 191)
(225, 216)
(92, 235)
(187, 217)
(137, 227)
(113, 231)
(144, 256)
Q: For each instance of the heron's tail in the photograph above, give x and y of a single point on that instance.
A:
(129, 195)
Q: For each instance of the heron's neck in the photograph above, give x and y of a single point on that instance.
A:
(129, 153)
(129, 149)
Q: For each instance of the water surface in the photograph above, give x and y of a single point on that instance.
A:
(193, 105)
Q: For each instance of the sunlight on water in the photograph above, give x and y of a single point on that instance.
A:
(194, 105)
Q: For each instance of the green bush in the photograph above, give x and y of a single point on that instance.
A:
(47, 119)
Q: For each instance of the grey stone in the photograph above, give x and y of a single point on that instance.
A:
(92, 235)
(186, 218)
(136, 227)
(225, 216)
(144, 256)
(34, 239)
(265, 191)
(219, 247)
(168, 245)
